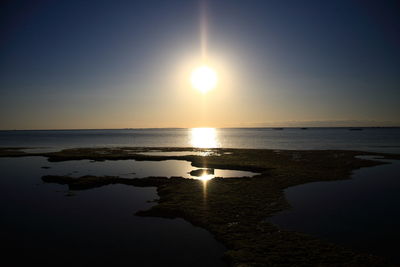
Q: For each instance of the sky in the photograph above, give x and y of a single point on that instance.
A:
(126, 64)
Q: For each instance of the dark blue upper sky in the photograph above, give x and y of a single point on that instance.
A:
(107, 64)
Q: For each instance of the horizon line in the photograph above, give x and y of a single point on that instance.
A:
(233, 127)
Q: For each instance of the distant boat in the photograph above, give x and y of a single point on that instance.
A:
(277, 128)
(356, 129)
(304, 128)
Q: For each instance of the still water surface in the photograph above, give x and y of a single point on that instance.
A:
(98, 226)
(41, 225)
(361, 213)
(135, 169)
(367, 139)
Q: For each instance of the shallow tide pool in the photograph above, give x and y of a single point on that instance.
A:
(134, 169)
(361, 213)
(42, 224)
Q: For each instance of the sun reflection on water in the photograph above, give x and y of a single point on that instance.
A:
(204, 138)
(205, 177)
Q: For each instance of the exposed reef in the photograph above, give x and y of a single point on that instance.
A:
(235, 210)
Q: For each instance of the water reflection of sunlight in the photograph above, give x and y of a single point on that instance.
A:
(205, 177)
(204, 138)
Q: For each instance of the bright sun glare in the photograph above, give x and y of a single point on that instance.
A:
(204, 137)
(204, 79)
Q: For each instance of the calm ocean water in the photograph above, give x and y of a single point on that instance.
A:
(42, 223)
(366, 139)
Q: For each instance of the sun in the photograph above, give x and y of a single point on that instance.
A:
(204, 79)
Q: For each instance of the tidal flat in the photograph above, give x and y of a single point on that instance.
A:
(235, 210)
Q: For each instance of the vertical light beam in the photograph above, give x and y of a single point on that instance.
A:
(203, 29)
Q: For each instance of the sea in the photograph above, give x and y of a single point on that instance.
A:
(49, 225)
(364, 139)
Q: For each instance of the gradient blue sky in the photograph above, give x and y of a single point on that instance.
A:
(121, 64)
